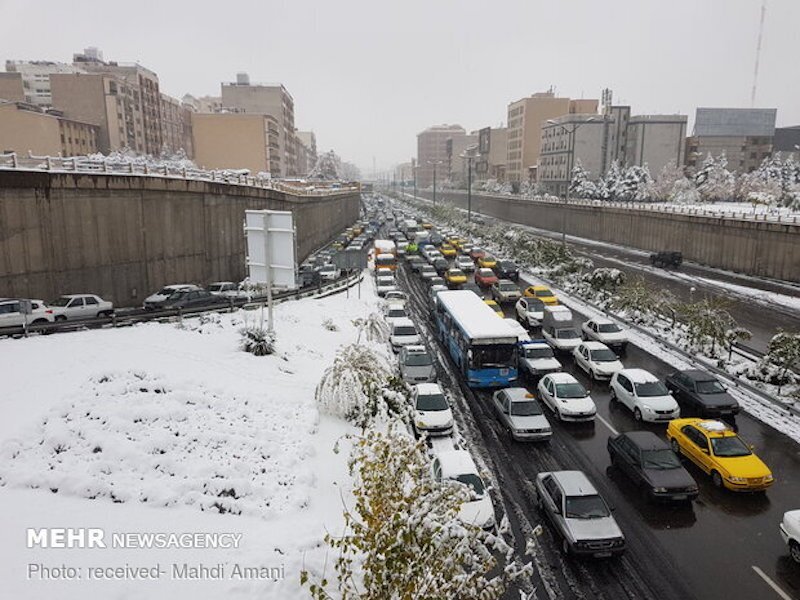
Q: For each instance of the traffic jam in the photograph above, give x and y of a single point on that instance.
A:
(568, 432)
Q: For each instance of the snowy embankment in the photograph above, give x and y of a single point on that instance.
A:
(173, 429)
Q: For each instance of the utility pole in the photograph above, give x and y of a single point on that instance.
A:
(469, 189)
(434, 185)
(758, 54)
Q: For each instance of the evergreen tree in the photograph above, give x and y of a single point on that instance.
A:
(713, 180)
(581, 186)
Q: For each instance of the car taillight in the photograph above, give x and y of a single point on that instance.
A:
(49, 312)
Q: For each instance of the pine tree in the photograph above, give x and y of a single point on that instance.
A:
(633, 183)
(608, 187)
(661, 188)
(713, 180)
(328, 167)
(581, 185)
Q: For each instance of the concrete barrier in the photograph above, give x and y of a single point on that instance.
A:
(123, 237)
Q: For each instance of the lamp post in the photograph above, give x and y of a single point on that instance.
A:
(469, 156)
(434, 163)
(571, 145)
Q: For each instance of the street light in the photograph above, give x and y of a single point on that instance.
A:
(467, 154)
(434, 163)
(571, 145)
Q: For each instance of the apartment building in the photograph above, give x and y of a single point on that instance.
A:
(457, 147)
(744, 135)
(404, 172)
(432, 152)
(656, 141)
(203, 104)
(35, 76)
(236, 141)
(309, 140)
(176, 126)
(11, 87)
(490, 162)
(27, 128)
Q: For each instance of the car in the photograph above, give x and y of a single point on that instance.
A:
(416, 365)
(579, 514)
(416, 263)
(530, 311)
(542, 292)
(652, 466)
(521, 414)
(448, 251)
(487, 262)
(458, 468)
(394, 311)
(403, 333)
(455, 277)
(466, 248)
(505, 291)
(436, 282)
(605, 331)
(156, 301)
(790, 532)
(476, 253)
(430, 253)
(329, 272)
(495, 307)
(227, 289)
(427, 272)
(384, 283)
(431, 411)
(471, 286)
(644, 395)
(507, 269)
(193, 299)
(435, 238)
(536, 359)
(718, 450)
(402, 247)
(384, 271)
(597, 359)
(434, 293)
(563, 339)
(74, 307)
(395, 297)
(701, 394)
(441, 265)
(485, 277)
(566, 397)
(12, 317)
(464, 263)
(427, 225)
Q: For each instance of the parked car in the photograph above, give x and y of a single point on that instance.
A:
(505, 291)
(530, 311)
(542, 292)
(455, 277)
(156, 301)
(464, 263)
(719, 451)
(597, 359)
(74, 307)
(566, 397)
(605, 331)
(790, 532)
(644, 395)
(521, 415)
(193, 299)
(701, 394)
(227, 289)
(384, 283)
(12, 317)
(394, 311)
(507, 269)
(403, 333)
(579, 514)
(432, 414)
(651, 465)
(458, 468)
(536, 358)
(485, 277)
(416, 365)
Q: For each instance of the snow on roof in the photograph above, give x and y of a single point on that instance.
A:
(456, 462)
(428, 389)
(416, 349)
(475, 317)
(602, 321)
(593, 345)
(562, 378)
(712, 425)
(639, 375)
(575, 483)
(404, 322)
(518, 394)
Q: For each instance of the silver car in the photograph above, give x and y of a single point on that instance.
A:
(579, 514)
(416, 365)
(521, 414)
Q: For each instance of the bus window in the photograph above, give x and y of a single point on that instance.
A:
(482, 357)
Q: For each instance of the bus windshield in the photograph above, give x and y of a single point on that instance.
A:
(493, 357)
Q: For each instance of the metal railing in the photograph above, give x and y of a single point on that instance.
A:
(83, 164)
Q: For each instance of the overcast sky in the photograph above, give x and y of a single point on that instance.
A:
(368, 75)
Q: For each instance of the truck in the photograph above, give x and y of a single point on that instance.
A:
(558, 329)
(385, 247)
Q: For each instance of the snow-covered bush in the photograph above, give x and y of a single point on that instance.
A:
(373, 327)
(605, 279)
(329, 325)
(784, 354)
(403, 537)
(257, 340)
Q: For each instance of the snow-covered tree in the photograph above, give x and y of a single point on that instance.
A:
(608, 186)
(328, 167)
(605, 279)
(581, 185)
(373, 327)
(661, 188)
(765, 185)
(636, 298)
(784, 353)
(684, 191)
(714, 181)
(709, 321)
(403, 538)
(350, 172)
(633, 184)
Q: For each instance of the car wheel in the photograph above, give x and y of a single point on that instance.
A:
(637, 414)
(676, 448)
(716, 479)
(39, 322)
(794, 551)
(612, 395)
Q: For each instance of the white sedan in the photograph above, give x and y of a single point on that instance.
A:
(384, 284)
(790, 532)
(431, 411)
(645, 395)
(566, 397)
(597, 359)
(606, 331)
(81, 306)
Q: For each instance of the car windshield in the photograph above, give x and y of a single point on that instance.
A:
(729, 447)
(217, 287)
(167, 291)
(474, 483)
(328, 269)
(397, 312)
(432, 402)
(455, 273)
(507, 266)
(663, 458)
(543, 352)
(405, 330)
(507, 287)
(486, 273)
(571, 390)
(536, 306)
(176, 295)
(585, 507)
(63, 301)
(567, 334)
(710, 386)
(608, 328)
(385, 280)
(527, 408)
(543, 293)
(650, 389)
(603, 355)
(419, 359)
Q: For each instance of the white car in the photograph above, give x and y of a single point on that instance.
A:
(790, 532)
(156, 301)
(464, 263)
(329, 272)
(536, 359)
(566, 397)
(606, 331)
(530, 311)
(394, 311)
(431, 411)
(403, 333)
(384, 284)
(434, 293)
(227, 289)
(395, 297)
(74, 307)
(453, 466)
(522, 333)
(564, 339)
(384, 272)
(597, 359)
(645, 395)
(520, 413)
(11, 314)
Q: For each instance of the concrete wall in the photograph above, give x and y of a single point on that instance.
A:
(746, 246)
(123, 237)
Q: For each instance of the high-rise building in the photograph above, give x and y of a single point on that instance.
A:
(27, 128)
(525, 118)
(176, 123)
(11, 87)
(457, 147)
(743, 135)
(36, 78)
(404, 172)
(236, 141)
(432, 152)
(203, 104)
(490, 162)
(309, 140)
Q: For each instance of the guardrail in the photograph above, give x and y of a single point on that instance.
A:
(83, 164)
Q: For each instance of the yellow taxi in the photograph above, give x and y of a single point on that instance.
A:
(447, 251)
(487, 262)
(719, 451)
(496, 308)
(542, 292)
(459, 243)
(452, 240)
(455, 277)
(427, 225)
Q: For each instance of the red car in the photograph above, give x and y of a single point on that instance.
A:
(477, 253)
(485, 277)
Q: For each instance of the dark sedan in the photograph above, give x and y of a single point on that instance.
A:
(416, 263)
(441, 265)
(701, 394)
(507, 269)
(648, 462)
(193, 299)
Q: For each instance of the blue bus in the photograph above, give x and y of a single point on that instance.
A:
(483, 347)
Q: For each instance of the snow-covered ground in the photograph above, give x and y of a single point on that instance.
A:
(161, 428)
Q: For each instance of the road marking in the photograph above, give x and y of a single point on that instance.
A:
(771, 583)
(607, 424)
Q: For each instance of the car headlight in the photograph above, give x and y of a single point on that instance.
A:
(768, 477)
(737, 479)
(419, 423)
(649, 409)
(660, 490)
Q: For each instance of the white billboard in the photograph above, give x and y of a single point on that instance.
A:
(271, 241)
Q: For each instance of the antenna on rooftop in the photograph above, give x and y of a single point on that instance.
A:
(758, 53)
